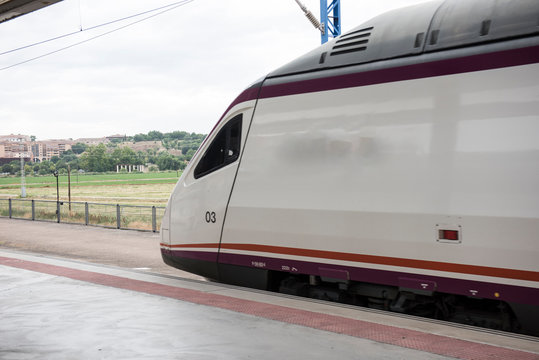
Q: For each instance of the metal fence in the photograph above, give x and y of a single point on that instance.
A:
(131, 217)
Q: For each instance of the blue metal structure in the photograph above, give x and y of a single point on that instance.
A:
(330, 18)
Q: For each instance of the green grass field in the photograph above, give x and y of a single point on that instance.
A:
(122, 188)
(91, 179)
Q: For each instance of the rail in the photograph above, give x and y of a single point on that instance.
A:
(116, 216)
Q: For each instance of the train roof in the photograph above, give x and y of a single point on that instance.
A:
(427, 27)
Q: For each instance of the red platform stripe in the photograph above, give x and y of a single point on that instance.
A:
(412, 339)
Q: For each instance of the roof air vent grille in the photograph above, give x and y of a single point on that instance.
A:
(352, 42)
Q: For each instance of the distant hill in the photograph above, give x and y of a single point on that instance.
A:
(156, 150)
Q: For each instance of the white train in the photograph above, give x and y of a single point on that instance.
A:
(396, 167)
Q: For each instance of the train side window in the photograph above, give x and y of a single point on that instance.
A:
(224, 150)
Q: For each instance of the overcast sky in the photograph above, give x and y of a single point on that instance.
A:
(175, 71)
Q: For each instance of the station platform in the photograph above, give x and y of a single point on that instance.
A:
(52, 308)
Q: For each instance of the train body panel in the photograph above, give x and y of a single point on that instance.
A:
(407, 161)
(410, 175)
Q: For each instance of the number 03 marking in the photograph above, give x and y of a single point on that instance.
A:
(211, 217)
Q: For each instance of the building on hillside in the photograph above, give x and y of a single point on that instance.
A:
(38, 149)
(92, 141)
(45, 150)
(5, 149)
(12, 138)
(14, 150)
(13, 147)
(117, 137)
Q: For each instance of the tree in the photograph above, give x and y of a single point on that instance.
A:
(46, 167)
(166, 144)
(68, 156)
(124, 156)
(140, 137)
(96, 159)
(166, 161)
(74, 164)
(6, 168)
(155, 135)
(15, 166)
(190, 154)
(178, 135)
(78, 148)
(61, 164)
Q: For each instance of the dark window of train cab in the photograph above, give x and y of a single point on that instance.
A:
(224, 150)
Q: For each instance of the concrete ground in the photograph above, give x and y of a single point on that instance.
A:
(124, 248)
(52, 307)
(44, 316)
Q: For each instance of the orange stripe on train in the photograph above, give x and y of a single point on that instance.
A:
(374, 259)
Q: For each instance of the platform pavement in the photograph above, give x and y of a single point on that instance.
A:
(52, 308)
(64, 309)
(124, 248)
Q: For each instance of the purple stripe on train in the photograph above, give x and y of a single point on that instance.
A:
(480, 62)
(474, 289)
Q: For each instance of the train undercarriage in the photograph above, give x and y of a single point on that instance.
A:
(480, 312)
(486, 313)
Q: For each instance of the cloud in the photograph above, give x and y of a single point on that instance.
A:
(177, 71)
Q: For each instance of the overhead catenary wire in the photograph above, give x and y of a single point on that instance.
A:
(175, 4)
(163, 9)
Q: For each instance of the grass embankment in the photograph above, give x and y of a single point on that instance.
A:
(133, 188)
(151, 189)
(91, 179)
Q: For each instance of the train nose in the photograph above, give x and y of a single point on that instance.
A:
(165, 228)
(182, 255)
(165, 236)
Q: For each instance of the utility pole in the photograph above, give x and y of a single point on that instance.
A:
(69, 185)
(23, 179)
(330, 18)
(55, 173)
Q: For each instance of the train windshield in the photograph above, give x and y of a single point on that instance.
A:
(223, 150)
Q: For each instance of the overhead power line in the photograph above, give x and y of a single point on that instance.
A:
(174, 5)
(164, 9)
